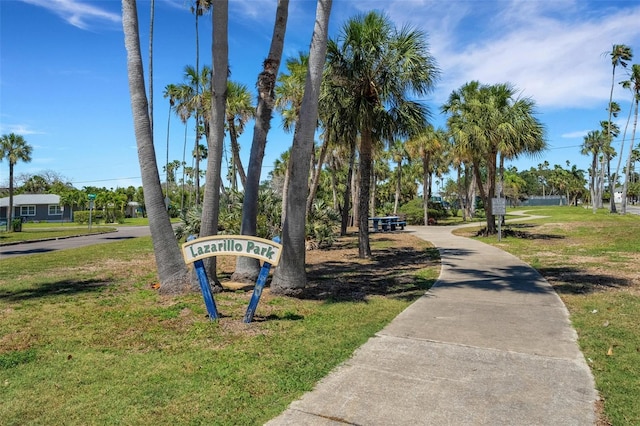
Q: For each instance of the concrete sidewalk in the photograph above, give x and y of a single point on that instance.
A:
(489, 344)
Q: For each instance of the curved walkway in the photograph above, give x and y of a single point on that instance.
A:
(489, 344)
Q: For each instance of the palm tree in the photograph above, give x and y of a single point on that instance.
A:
(172, 271)
(592, 145)
(200, 104)
(634, 85)
(620, 54)
(14, 148)
(425, 146)
(398, 152)
(290, 276)
(247, 268)
(171, 91)
(379, 67)
(290, 90)
(488, 121)
(239, 111)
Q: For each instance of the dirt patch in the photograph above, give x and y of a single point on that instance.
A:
(337, 273)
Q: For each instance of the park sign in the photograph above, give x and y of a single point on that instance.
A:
(232, 245)
(196, 249)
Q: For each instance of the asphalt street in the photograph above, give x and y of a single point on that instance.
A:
(122, 233)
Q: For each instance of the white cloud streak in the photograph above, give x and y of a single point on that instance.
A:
(77, 13)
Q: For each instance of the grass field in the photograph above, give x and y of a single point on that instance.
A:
(86, 339)
(592, 260)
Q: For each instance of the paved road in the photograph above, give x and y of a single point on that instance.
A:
(633, 209)
(122, 233)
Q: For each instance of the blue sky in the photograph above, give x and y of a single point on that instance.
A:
(63, 81)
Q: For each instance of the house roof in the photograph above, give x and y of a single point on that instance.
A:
(31, 199)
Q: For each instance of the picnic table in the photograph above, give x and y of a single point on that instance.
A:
(387, 223)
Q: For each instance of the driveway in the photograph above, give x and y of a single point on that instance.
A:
(122, 233)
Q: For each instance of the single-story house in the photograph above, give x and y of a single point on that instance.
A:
(35, 208)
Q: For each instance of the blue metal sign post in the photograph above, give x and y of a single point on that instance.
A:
(257, 291)
(209, 302)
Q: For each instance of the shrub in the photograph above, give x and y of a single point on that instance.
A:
(82, 216)
(414, 211)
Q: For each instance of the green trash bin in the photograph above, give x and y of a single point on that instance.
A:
(16, 224)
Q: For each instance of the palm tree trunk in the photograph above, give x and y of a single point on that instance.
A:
(285, 191)
(366, 164)
(235, 151)
(346, 200)
(426, 184)
(491, 193)
(247, 268)
(315, 180)
(10, 211)
(396, 201)
(629, 163)
(290, 276)
(211, 205)
(172, 271)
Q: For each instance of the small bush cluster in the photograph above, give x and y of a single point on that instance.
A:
(414, 211)
(98, 216)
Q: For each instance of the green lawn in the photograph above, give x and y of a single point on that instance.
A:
(592, 262)
(86, 339)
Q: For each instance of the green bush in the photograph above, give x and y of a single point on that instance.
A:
(82, 216)
(414, 211)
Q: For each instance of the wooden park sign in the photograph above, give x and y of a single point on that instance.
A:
(196, 249)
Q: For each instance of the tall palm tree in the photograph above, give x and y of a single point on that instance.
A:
(290, 276)
(247, 268)
(592, 145)
(620, 54)
(239, 111)
(14, 148)
(379, 67)
(172, 271)
(171, 91)
(200, 104)
(634, 85)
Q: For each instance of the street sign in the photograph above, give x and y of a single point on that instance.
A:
(92, 196)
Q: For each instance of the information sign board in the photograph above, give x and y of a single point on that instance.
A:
(499, 206)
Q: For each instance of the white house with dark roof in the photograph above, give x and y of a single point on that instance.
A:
(35, 208)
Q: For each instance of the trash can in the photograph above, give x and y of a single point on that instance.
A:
(16, 224)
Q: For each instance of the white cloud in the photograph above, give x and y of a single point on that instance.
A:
(76, 12)
(575, 134)
(19, 129)
(555, 52)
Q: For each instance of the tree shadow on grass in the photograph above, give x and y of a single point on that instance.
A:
(519, 230)
(572, 280)
(55, 289)
(390, 272)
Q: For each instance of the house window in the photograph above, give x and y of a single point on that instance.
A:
(55, 210)
(27, 210)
